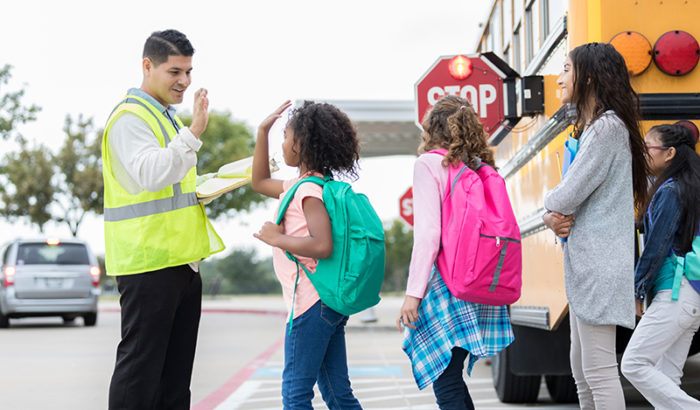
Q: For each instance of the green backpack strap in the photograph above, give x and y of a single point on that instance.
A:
(680, 270)
(280, 215)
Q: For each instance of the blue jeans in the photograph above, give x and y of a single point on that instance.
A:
(315, 352)
(450, 390)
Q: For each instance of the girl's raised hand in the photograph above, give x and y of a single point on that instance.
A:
(270, 120)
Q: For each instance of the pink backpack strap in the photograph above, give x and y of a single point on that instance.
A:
(441, 151)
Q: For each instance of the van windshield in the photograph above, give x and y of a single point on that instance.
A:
(61, 254)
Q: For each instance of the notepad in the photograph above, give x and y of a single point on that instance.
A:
(229, 177)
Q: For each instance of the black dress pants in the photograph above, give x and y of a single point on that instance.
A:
(160, 313)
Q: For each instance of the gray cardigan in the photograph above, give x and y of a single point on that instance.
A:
(599, 253)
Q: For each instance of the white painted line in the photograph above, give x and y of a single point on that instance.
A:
(389, 387)
(240, 396)
(397, 396)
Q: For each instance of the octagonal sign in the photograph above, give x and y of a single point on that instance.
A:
(489, 86)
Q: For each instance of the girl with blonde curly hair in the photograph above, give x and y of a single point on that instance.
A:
(441, 330)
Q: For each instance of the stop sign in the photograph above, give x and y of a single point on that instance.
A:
(406, 206)
(487, 82)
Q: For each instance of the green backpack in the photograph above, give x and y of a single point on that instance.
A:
(688, 265)
(350, 279)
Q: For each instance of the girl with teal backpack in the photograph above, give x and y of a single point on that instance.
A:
(668, 270)
(321, 142)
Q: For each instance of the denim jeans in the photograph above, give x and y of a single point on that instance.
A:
(315, 352)
(654, 358)
(450, 390)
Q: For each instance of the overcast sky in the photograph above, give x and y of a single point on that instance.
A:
(79, 57)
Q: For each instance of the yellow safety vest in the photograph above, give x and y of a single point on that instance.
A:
(152, 230)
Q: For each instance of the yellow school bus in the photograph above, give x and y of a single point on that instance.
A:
(533, 37)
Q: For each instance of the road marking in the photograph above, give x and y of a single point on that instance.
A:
(240, 396)
(232, 384)
(216, 310)
(353, 371)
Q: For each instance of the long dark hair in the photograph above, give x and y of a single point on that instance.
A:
(600, 72)
(454, 125)
(684, 169)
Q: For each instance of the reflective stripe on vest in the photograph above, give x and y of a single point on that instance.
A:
(177, 201)
(156, 206)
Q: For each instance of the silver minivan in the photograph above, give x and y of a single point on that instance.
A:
(49, 277)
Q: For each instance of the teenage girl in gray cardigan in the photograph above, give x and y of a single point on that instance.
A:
(593, 207)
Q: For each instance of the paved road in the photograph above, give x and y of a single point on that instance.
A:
(45, 364)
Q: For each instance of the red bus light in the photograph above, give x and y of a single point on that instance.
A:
(676, 53)
(460, 67)
(692, 127)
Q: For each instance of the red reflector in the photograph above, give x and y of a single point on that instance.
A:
(676, 53)
(692, 127)
(460, 67)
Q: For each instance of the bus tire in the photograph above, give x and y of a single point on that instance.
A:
(561, 388)
(512, 388)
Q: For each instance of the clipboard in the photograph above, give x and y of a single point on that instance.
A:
(229, 177)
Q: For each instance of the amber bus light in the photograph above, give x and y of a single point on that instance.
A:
(635, 49)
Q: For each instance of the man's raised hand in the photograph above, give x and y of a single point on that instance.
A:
(200, 112)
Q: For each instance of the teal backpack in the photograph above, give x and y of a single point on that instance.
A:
(350, 279)
(688, 265)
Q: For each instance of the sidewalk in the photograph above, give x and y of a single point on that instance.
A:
(384, 313)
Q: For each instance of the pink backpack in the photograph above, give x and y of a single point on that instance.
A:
(480, 256)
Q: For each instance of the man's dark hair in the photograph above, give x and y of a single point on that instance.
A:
(162, 44)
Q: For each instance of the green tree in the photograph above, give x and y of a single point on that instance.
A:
(239, 272)
(399, 244)
(79, 185)
(64, 187)
(27, 172)
(26, 189)
(225, 140)
(12, 112)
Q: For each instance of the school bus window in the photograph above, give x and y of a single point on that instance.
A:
(517, 11)
(488, 37)
(516, 49)
(544, 20)
(495, 29)
(507, 18)
(555, 11)
(529, 46)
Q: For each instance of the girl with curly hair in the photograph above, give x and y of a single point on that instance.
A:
(593, 208)
(441, 329)
(654, 358)
(319, 140)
